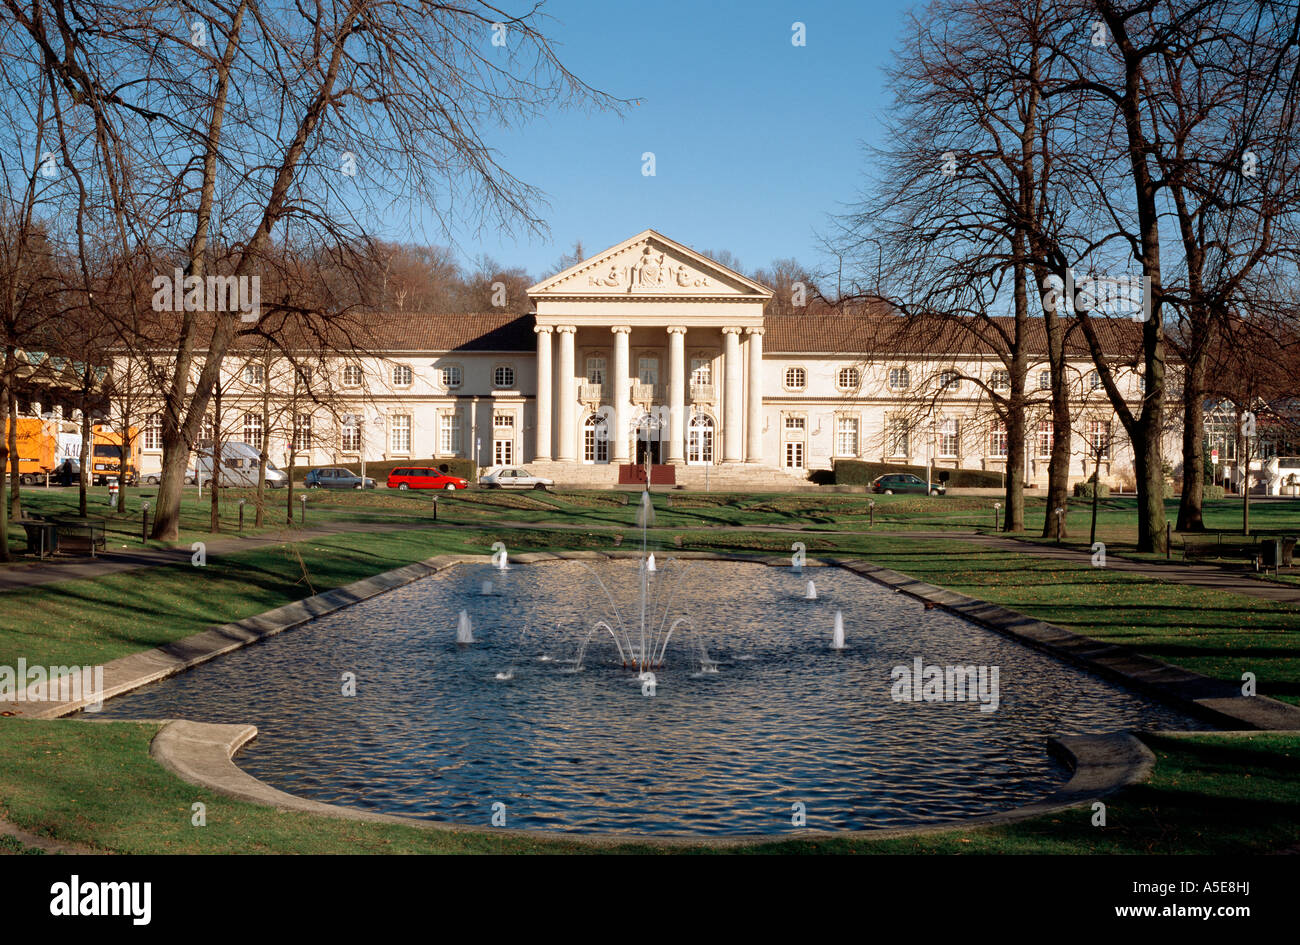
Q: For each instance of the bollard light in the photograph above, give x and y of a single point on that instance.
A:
(241, 514)
(997, 506)
(303, 500)
(144, 522)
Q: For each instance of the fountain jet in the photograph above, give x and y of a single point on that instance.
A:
(837, 636)
(464, 630)
(811, 592)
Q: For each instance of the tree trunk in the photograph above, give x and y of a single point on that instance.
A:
(262, 456)
(4, 516)
(15, 458)
(1148, 463)
(1058, 468)
(293, 458)
(214, 518)
(85, 455)
(1191, 501)
(1016, 446)
(123, 460)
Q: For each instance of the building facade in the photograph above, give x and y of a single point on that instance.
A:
(651, 350)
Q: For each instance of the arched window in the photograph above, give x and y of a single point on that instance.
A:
(595, 439)
(699, 440)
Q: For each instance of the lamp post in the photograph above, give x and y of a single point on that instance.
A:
(303, 499)
(1059, 513)
(997, 507)
(144, 522)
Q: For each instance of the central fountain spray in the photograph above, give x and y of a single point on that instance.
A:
(642, 647)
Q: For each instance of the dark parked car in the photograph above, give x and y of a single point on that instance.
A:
(422, 477)
(336, 477)
(906, 482)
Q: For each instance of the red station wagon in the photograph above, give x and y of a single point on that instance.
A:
(420, 477)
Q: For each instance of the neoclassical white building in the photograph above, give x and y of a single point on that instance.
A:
(651, 349)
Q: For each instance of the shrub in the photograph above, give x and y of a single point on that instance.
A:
(1083, 490)
(1213, 492)
(856, 472)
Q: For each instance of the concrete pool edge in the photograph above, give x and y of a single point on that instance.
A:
(202, 754)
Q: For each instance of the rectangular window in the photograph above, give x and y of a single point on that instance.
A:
(1098, 434)
(899, 378)
(794, 454)
(796, 378)
(449, 433)
(503, 376)
(1000, 380)
(451, 376)
(153, 433)
(351, 375)
(595, 370)
(1044, 380)
(253, 430)
(998, 440)
(795, 423)
(897, 433)
(846, 436)
(254, 375)
(399, 433)
(949, 380)
(1045, 438)
(948, 438)
(701, 372)
(302, 433)
(647, 370)
(350, 434)
(403, 375)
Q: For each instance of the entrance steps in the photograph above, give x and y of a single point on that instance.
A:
(717, 478)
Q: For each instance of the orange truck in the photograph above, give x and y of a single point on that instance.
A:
(44, 444)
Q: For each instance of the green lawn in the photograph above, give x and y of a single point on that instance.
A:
(94, 784)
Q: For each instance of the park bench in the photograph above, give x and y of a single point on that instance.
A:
(1246, 550)
(77, 535)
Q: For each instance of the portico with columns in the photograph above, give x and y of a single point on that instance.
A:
(649, 350)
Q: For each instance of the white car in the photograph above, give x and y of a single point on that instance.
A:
(513, 477)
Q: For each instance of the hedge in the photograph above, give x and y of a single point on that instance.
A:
(379, 470)
(1083, 490)
(1212, 492)
(855, 472)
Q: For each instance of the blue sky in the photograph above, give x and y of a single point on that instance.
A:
(755, 140)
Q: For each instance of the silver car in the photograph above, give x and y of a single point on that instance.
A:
(513, 477)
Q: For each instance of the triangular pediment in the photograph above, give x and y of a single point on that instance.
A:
(649, 265)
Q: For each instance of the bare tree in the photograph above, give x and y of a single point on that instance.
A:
(346, 105)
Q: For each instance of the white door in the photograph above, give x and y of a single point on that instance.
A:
(503, 452)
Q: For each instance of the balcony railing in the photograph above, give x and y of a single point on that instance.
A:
(702, 392)
(645, 393)
(589, 392)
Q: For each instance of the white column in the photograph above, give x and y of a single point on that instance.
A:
(754, 385)
(566, 447)
(676, 394)
(544, 392)
(622, 395)
(731, 396)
